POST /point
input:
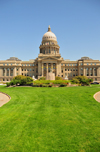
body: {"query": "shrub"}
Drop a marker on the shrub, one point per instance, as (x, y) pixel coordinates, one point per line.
(42, 78)
(50, 85)
(8, 84)
(19, 77)
(58, 78)
(45, 85)
(22, 80)
(75, 81)
(13, 82)
(90, 80)
(62, 85)
(81, 79)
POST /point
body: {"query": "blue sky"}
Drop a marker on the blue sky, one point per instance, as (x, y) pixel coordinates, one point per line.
(76, 23)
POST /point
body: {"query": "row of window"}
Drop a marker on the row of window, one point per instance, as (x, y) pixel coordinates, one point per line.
(80, 64)
(70, 75)
(89, 63)
(27, 64)
(89, 68)
(27, 69)
(70, 69)
(18, 64)
(69, 64)
(30, 74)
(48, 64)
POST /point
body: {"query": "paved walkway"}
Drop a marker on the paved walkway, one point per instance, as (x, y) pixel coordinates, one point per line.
(97, 96)
(3, 99)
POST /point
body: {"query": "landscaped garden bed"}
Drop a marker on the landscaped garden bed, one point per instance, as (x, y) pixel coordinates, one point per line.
(28, 81)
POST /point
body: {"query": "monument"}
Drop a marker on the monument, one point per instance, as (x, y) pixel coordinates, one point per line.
(50, 75)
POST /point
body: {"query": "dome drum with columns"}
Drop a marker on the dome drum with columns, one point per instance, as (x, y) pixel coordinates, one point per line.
(49, 43)
(49, 59)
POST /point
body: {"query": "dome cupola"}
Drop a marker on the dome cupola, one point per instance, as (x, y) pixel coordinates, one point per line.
(49, 36)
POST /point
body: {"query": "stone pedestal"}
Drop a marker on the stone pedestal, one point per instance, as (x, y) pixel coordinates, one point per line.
(50, 76)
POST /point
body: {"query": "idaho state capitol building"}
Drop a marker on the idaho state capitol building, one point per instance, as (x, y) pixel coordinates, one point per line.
(49, 59)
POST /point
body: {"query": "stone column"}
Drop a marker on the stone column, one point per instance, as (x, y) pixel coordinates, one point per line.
(89, 72)
(1, 72)
(93, 71)
(52, 66)
(47, 69)
(14, 71)
(42, 69)
(9, 71)
(84, 71)
(5, 72)
(98, 71)
(19, 70)
(56, 70)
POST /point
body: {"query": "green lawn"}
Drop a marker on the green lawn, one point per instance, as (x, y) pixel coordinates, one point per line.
(50, 120)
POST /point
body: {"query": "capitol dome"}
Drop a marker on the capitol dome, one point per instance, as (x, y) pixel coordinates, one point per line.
(49, 35)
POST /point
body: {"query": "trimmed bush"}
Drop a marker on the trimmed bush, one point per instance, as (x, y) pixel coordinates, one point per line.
(83, 80)
(58, 78)
(75, 81)
(42, 78)
(8, 84)
(21, 80)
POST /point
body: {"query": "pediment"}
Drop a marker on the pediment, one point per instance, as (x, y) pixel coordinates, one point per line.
(49, 58)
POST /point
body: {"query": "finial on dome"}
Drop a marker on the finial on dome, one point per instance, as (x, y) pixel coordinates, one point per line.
(49, 28)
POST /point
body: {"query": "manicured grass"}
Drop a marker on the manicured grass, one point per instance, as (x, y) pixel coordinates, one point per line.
(50, 120)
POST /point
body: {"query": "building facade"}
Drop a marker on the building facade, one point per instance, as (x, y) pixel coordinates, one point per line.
(48, 59)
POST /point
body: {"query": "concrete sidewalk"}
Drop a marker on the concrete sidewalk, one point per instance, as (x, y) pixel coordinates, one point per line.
(97, 96)
(3, 99)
